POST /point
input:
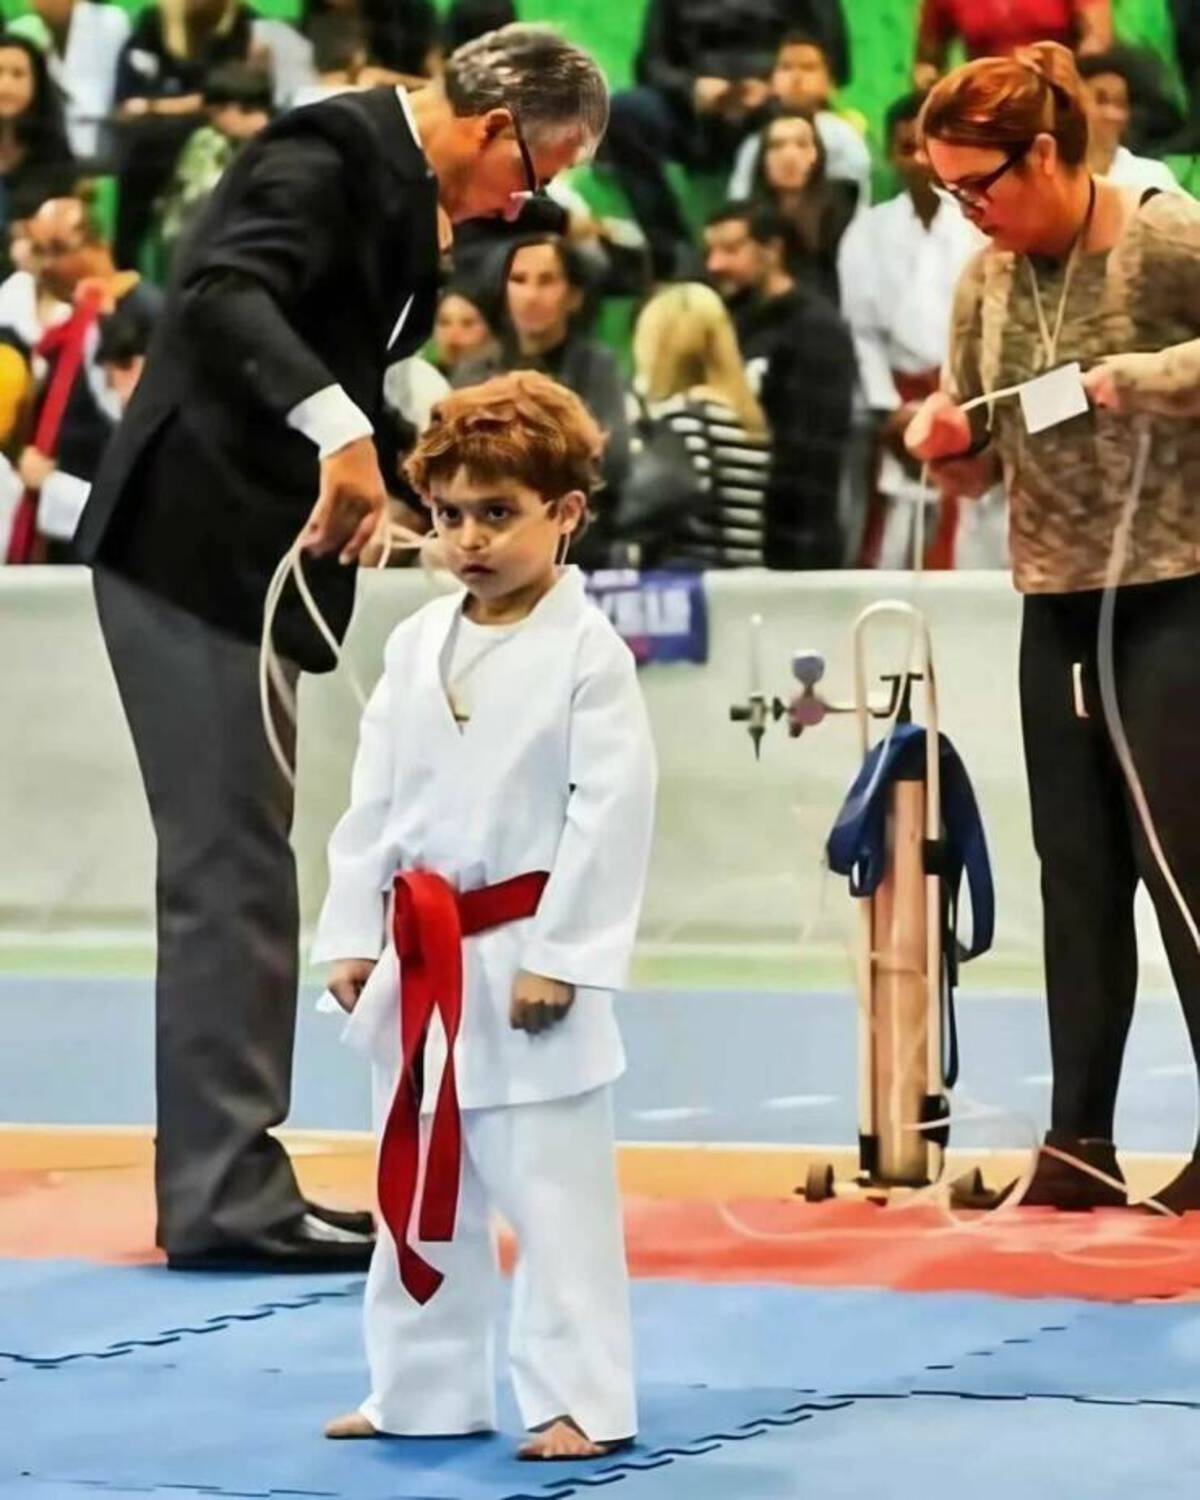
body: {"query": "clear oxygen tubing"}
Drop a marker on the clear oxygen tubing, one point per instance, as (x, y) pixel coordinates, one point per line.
(270, 673)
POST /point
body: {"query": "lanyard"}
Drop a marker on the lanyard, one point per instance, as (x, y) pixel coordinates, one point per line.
(1050, 341)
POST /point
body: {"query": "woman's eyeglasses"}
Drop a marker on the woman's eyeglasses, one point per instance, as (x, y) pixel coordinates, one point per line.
(972, 192)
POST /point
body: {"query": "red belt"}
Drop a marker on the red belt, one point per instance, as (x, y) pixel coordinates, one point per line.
(429, 921)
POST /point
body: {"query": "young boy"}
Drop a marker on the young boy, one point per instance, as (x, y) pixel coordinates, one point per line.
(802, 80)
(503, 796)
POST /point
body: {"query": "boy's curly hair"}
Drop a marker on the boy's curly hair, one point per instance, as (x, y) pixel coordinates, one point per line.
(521, 426)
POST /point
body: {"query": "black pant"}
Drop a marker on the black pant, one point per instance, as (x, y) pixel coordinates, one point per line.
(645, 132)
(1089, 839)
(228, 919)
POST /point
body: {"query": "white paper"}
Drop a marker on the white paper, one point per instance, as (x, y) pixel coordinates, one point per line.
(1052, 398)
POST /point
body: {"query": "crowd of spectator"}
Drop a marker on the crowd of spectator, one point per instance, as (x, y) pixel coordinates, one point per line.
(767, 326)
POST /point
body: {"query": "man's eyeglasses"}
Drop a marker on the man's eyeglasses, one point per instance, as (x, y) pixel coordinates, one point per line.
(533, 186)
(972, 192)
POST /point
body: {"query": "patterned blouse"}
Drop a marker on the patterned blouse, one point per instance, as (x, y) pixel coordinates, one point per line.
(1136, 306)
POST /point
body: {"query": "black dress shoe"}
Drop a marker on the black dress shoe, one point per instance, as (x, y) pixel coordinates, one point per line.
(357, 1220)
(1182, 1194)
(1060, 1184)
(307, 1244)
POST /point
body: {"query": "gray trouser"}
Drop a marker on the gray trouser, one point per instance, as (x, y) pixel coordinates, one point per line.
(228, 920)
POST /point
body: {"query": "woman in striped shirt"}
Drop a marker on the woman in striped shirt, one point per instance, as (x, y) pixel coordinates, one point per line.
(692, 377)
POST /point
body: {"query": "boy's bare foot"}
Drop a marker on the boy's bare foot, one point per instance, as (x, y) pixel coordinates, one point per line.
(561, 1439)
(352, 1425)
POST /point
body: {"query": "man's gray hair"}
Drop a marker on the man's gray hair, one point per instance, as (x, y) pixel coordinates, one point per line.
(554, 87)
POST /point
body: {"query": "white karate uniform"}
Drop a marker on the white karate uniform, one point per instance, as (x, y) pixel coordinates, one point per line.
(553, 770)
(898, 279)
(1142, 172)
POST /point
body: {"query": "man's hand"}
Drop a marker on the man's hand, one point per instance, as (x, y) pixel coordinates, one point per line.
(708, 94)
(939, 430)
(347, 978)
(351, 501)
(35, 468)
(538, 1003)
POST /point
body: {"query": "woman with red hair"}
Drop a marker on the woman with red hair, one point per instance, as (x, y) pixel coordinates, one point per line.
(1083, 274)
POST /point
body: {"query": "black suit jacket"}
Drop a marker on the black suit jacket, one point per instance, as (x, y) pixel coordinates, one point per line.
(294, 279)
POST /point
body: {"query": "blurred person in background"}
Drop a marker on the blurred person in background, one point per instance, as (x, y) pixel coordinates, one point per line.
(402, 37)
(692, 380)
(899, 264)
(464, 20)
(339, 57)
(802, 83)
(160, 98)
(237, 100)
(82, 41)
(462, 330)
(542, 327)
(73, 412)
(35, 158)
(790, 177)
(28, 308)
(800, 363)
(991, 28)
(701, 73)
(1110, 82)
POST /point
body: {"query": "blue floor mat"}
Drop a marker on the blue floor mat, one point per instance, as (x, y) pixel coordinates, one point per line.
(943, 1448)
(830, 1343)
(56, 1309)
(1114, 1354)
(746, 1393)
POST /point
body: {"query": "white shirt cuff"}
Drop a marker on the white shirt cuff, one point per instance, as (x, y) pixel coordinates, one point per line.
(61, 505)
(330, 420)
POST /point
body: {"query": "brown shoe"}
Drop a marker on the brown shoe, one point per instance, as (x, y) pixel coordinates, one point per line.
(1060, 1184)
(1182, 1194)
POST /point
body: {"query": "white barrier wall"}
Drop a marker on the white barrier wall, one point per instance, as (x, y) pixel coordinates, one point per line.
(738, 845)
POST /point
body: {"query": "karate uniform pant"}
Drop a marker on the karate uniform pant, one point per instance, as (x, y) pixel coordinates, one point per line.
(550, 1170)
(1089, 839)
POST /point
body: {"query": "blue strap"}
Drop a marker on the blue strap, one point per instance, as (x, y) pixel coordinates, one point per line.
(857, 848)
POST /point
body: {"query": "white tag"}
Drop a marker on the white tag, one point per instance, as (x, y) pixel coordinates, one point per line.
(1052, 398)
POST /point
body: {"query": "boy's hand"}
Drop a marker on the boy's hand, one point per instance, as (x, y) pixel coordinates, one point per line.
(347, 977)
(538, 1003)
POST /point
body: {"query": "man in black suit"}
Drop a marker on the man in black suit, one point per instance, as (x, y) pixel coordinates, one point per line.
(311, 271)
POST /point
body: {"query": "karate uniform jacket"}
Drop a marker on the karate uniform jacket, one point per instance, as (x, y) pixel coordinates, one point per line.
(555, 771)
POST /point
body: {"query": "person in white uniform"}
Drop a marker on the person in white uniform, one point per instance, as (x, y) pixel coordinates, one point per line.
(485, 884)
(898, 265)
(1108, 86)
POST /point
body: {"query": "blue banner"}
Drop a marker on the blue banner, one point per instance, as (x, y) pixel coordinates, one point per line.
(661, 616)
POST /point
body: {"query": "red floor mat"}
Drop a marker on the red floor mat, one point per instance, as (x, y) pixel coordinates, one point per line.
(107, 1214)
(1108, 1256)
